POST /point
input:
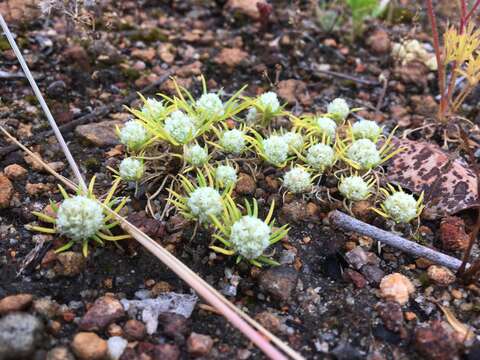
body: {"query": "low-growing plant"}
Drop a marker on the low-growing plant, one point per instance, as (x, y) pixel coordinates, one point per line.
(82, 219)
(399, 206)
(246, 236)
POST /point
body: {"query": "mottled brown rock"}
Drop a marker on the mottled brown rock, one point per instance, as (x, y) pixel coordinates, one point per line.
(434, 341)
(15, 172)
(134, 330)
(379, 42)
(392, 315)
(6, 191)
(293, 91)
(231, 57)
(440, 275)
(355, 277)
(161, 351)
(199, 345)
(452, 234)
(245, 185)
(269, 321)
(396, 287)
(60, 353)
(15, 303)
(103, 312)
(174, 325)
(245, 7)
(89, 346)
(69, 263)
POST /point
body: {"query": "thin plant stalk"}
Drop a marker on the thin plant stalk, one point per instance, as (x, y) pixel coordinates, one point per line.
(235, 316)
(43, 104)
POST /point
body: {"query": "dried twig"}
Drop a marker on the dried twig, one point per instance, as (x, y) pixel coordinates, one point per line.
(345, 77)
(348, 223)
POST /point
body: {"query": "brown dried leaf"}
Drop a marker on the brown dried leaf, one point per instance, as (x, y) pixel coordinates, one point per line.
(448, 182)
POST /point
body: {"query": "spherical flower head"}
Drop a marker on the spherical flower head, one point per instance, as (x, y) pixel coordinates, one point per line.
(320, 156)
(226, 175)
(366, 129)
(294, 140)
(233, 141)
(133, 134)
(326, 126)
(196, 155)
(250, 237)
(79, 217)
(338, 108)
(401, 207)
(354, 188)
(131, 169)
(203, 202)
(153, 109)
(251, 117)
(364, 152)
(297, 180)
(210, 104)
(179, 126)
(269, 102)
(275, 149)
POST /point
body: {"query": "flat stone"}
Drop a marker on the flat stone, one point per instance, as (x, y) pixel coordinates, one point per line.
(6, 191)
(357, 257)
(69, 263)
(15, 172)
(15, 303)
(279, 282)
(99, 134)
(440, 275)
(103, 312)
(89, 346)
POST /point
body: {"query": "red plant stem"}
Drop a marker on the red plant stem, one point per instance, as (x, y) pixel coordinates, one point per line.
(441, 69)
(463, 15)
(472, 10)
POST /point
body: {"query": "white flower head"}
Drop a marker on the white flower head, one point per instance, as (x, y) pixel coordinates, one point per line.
(294, 140)
(269, 102)
(131, 169)
(133, 134)
(233, 141)
(179, 126)
(365, 153)
(79, 217)
(297, 180)
(210, 104)
(275, 149)
(195, 155)
(366, 129)
(251, 117)
(320, 156)
(203, 202)
(226, 175)
(354, 188)
(401, 207)
(153, 109)
(339, 109)
(326, 126)
(250, 237)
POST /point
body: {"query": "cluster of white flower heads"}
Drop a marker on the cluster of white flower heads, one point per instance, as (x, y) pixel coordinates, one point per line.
(179, 126)
(275, 149)
(131, 169)
(354, 188)
(365, 153)
(226, 175)
(250, 237)
(153, 109)
(297, 180)
(196, 155)
(294, 140)
(79, 217)
(133, 134)
(320, 156)
(400, 207)
(211, 104)
(233, 141)
(203, 202)
(366, 129)
(339, 109)
(326, 126)
(269, 102)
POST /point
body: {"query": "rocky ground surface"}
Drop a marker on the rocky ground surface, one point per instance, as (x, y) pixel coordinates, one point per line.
(336, 295)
